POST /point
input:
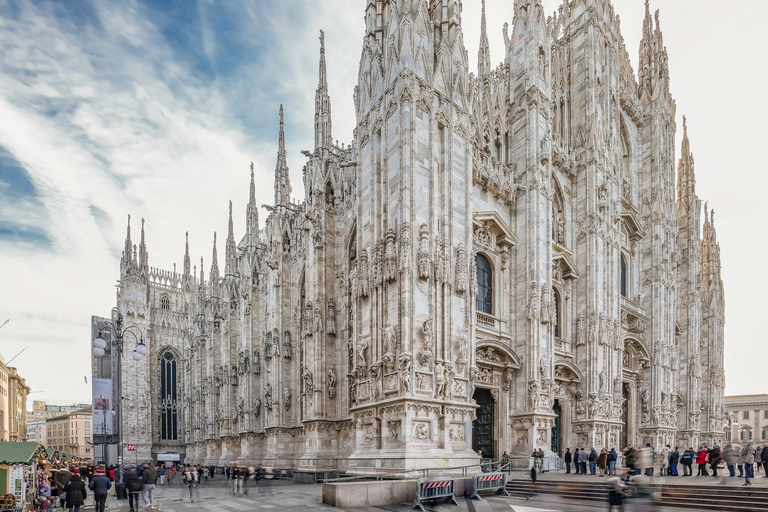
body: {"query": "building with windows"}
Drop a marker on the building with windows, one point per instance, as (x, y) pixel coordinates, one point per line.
(71, 433)
(13, 402)
(36, 431)
(747, 418)
(498, 261)
(41, 409)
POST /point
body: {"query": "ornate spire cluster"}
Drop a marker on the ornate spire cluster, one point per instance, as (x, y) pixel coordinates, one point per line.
(654, 63)
(323, 137)
(484, 52)
(686, 179)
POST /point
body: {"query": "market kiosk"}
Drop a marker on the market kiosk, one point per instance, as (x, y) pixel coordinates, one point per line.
(19, 463)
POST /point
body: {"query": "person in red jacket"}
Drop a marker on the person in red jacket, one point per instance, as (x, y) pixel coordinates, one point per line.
(702, 457)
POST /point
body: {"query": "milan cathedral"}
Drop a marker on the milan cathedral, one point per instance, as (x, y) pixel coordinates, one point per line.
(498, 261)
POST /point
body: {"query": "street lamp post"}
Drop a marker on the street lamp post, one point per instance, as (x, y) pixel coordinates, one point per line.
(99, 344)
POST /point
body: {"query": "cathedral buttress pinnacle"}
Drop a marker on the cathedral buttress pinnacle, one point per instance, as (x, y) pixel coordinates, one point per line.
(252, 215)
(128, 245)
(323, 137)
(187, 270)
(143, 255)
(214, 269)
(282, 180)
(484, 52)
(231, 249)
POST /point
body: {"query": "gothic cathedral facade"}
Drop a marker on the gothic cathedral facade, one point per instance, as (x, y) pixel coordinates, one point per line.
(498, 261)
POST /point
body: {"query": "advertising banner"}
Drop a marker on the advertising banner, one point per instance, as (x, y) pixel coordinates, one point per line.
(102, 406)
(16, 485)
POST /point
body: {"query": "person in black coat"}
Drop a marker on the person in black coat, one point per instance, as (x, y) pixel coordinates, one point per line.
(100, 484)
(135, 485)
(674, 459)
(76, 493)
(568, 457)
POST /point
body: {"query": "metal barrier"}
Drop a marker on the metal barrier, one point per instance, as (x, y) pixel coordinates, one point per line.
(432, 489)
(487, 482)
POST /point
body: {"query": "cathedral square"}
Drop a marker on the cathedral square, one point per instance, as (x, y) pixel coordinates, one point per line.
(500, 260)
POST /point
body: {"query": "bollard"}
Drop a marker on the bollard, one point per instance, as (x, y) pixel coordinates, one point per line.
(433, 488)
(488, 482)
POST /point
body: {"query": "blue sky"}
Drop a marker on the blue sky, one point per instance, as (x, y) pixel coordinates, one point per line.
(156, 109)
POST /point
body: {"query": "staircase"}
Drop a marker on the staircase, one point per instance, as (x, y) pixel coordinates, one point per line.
(728, 498)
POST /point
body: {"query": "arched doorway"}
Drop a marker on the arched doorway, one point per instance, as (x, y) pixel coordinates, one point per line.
(482, 427)
(557, 433)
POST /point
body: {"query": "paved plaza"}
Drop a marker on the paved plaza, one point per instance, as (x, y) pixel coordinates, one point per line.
(292, 497)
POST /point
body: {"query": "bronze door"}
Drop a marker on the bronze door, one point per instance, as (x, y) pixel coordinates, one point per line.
(482, 427)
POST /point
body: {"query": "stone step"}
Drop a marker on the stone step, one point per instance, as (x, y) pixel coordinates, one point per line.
(724, 498)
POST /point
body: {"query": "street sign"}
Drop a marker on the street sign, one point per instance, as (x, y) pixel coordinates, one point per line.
(130, 447)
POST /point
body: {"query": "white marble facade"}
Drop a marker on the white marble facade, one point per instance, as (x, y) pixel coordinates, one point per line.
(512, 234)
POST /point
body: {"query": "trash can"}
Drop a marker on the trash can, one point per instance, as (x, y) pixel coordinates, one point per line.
(120, 491)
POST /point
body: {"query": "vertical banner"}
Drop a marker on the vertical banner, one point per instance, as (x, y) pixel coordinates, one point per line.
(102, 406)
(16, 485)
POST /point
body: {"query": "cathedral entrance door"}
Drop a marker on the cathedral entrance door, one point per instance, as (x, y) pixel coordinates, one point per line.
(482, 427)
(557, 441)
(625, 392)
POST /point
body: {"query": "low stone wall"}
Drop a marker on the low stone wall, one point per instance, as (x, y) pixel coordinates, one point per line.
(386, 492)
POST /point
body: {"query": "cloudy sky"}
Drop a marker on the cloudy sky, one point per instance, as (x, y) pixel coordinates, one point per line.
(156, 108)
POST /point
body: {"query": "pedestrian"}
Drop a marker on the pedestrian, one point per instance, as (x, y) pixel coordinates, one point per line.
(602, 462)
(687, 461)
(134, 486)
(533, 474)
(749, 463)
(60, 479)
(630, 458)
(76, 493)
(616, 494)
(269, 475)
(149, 479)
(100, 485)
(702, 457)
(576, 461)
(161, 474)
(665, 460)
(764, 460)
(237, 482)
(758, 458)
(674, 460)
(192, 479)
(645, 459)
(612, 457)
(714, 459)
(583, 459)
(731, 458)
(568, 457)
(592, 462)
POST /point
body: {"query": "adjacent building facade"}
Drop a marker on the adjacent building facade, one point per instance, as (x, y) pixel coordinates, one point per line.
(747, 419)
(41, 409)
(13, 404)
(71, 433)
(36, 431)
(498, 261)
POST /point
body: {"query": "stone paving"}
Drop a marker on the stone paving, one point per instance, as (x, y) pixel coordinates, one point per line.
(291, 497)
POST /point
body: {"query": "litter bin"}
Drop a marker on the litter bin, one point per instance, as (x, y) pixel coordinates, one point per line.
(120, 492)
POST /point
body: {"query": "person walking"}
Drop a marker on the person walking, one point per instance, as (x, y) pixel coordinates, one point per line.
(583, 459)
(76, 493)
(60, 479)
(100, 486)
(702, 457)
(758, 458)
(237, 481)
(576, 461)
(161, 474)
(616, 494)
(664, 470)
(612, 458)
(714, 459)
(645, 459)
(686, 459)
(674, 460)
(568, 457)
(602, 461)
(731, 458)
(149, 479)
(134, 486)
(764, 460)
(192, 480)
(592, 462)
(630, 458)
(749, 463)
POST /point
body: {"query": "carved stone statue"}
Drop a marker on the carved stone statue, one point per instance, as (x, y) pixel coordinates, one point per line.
(405, 372)
(331, 383)
(544, 367)
(426, 351)
(256, 408)
(268, 396)
(287, 398)
(309, 386)
(439, 380)
(318, 317)
(423, 252)
(390, 256)
(331, 317)
(462, 270)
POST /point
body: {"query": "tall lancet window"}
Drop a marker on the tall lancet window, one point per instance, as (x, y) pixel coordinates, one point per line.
(484, 285)
(623, 276)
(168, 408)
